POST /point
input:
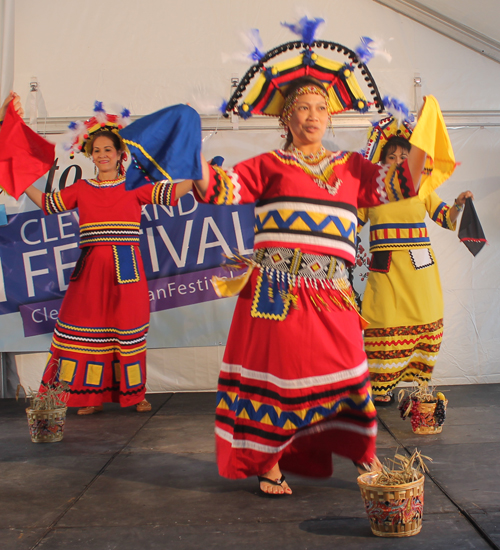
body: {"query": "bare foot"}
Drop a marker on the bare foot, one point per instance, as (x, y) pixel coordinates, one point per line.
(279, 487)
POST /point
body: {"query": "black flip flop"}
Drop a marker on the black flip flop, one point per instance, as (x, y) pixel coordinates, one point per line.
(384, 403)
(279, 482)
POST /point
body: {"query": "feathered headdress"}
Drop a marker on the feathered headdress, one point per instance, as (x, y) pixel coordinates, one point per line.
(398, 123)
(267, 95)
(81, 134)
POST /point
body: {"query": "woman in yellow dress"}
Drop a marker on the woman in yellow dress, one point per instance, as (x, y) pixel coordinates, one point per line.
(403, 300)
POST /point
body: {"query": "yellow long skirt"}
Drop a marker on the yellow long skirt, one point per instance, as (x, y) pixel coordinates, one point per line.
(405, 310)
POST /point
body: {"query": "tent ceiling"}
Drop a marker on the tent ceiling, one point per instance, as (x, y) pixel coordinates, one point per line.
(472, 24)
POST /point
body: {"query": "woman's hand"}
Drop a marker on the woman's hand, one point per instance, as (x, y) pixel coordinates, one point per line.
(460, 200)
(17, 105)
(459, 204)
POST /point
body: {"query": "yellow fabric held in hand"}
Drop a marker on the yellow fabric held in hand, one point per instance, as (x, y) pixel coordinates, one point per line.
(430, 135)
(225, 287)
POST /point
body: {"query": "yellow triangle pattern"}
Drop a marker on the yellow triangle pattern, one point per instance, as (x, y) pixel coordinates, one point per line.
(243, 414)
(267, 420)
(317, 418)
(289, 425)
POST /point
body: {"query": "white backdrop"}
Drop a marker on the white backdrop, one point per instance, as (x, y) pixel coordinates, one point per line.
(166, 52)
(159, 52)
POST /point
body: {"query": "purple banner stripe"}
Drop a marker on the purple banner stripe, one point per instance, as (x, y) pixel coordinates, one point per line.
(165, 293)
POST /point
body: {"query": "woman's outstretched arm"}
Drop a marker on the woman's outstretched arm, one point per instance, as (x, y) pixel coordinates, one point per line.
(35, 195)
(416, 161)
(182, 188)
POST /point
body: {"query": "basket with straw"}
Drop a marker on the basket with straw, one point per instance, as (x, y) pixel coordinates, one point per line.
(425, 407)
(46, 413)
(394, 496)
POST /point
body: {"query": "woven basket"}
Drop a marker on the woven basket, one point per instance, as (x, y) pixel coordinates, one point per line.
(393, 510)
(46, 426)
(428, 422)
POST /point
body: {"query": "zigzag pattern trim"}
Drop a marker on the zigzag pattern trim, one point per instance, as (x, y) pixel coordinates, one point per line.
(404, 187)
(109, 232)
(114, 330)
(163, 193)
(98, 350)
(328, 393)
(88, 340)
(338, 158)
(303, 222)
(227, 187)
(404, 342)
(381, 389)
(53, 203)
(286, 420)
(429, 359)
(113, 388)
(108, 183)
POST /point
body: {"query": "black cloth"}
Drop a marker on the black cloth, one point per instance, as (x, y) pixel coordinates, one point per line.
(470, 231)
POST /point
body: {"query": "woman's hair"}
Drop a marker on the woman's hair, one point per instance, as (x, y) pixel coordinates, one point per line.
(110, 135)
(392, 144)
(292, 89)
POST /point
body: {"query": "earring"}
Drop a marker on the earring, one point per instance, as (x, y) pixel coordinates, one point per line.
(330, 127)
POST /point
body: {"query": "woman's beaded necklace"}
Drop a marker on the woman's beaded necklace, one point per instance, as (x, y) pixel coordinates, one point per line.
(318, 166)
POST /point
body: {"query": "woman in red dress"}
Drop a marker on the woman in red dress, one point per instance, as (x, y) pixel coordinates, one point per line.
(99, 342)
(294, 384)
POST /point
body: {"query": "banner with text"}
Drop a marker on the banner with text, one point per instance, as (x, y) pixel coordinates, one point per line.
(182, 248)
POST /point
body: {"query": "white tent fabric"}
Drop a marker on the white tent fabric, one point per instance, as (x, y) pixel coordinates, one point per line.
(166, 53)
(7, 33)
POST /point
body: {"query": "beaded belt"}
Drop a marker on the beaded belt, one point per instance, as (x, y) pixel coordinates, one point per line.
(109, 233)
(294, 262)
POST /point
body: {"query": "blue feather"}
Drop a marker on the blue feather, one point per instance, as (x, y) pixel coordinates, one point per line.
(223, 107)
(364, 51)
(258, 53)
(125, 113)
(98, 106)
(398, 108)
(72, 125)
(306, 28)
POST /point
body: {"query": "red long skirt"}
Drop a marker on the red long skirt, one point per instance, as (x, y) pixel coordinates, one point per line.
(294, 391)
(99, 342)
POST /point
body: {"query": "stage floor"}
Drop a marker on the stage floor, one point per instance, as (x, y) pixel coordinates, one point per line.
(145, 481)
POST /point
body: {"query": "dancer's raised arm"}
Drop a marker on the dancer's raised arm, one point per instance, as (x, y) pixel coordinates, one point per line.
(35, 195)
